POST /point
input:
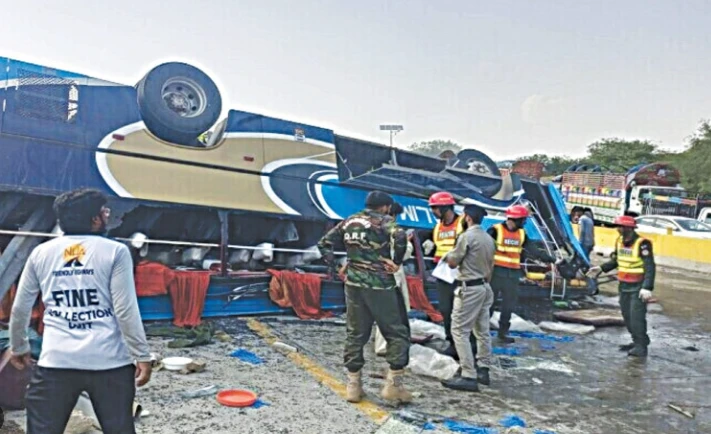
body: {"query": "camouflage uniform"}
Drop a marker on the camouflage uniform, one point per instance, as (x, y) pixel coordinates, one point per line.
(371, 292)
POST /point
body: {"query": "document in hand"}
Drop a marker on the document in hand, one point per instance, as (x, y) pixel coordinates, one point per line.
(443, 272)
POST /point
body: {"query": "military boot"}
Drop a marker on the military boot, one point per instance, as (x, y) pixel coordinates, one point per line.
(502, 338)
(354, 388)
(627, 347)
(482, 376)
(394, 389)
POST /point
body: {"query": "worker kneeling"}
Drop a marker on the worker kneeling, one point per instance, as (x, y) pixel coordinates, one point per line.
(372, 293)
(473, 253)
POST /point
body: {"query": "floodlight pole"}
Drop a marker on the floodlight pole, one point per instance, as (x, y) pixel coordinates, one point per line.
(393, 129)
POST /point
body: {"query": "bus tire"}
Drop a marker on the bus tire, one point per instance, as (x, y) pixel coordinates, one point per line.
(178, 102)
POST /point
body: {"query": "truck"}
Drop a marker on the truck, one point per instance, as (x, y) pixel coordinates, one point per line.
(241, 197)
(644, 189)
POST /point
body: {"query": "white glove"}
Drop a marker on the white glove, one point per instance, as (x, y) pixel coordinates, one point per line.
(594, 271)
(428, 246)
(645, 294)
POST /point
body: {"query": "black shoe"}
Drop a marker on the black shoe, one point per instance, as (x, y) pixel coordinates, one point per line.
(627, 347)
(482, 376)
(461, 383)
(638, 351)
(451, 351)
(506, 339)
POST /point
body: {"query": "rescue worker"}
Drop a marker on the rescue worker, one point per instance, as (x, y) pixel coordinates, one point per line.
(400, 280)
(449, 226)
(371, 292)
(473, 298)
(512, 247)
(636, 271)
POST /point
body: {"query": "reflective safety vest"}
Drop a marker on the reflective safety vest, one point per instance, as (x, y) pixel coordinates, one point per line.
(445, 236)
(509, 245)
(630, 267)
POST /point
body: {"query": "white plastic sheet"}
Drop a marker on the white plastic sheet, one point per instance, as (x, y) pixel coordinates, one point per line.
(422, 328)
(518, 324)
(578, 329)
(428, 362)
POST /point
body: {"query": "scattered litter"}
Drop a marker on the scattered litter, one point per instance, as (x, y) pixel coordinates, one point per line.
(507, 351)
(194, 366)
(547, 347)
(468, 428)
(506, 363)
(176, 363)
(419, 327)
(543, 431)
(237, 398)
(282, 346)
(518, 324)
(596, 317)
(515, 430)
(396, 426)
(222, 336)
(532, 363)
(681, 410)
(578, 329)
(428, 426)
(539, 336)
(536, 380)
(184, 337)
(198, 393)
(259, 403)
(247, 356)
(512, 420)
(561, 304)
(690, 348)
(428, 362)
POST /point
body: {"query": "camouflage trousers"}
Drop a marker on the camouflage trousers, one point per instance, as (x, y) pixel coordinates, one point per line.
(386, 308)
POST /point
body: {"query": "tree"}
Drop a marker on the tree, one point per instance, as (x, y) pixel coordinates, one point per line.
(695, 162)
(619, 153)
(434, 147)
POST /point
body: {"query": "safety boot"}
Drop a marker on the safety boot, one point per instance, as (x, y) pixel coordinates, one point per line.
(394, 389)
(354, 388)
(627, 347)
(638, 351)
(502, 338)
(482, 376)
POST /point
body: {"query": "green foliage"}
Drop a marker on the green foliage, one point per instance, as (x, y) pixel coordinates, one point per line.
(695, 162)
(434, 147)
(617, 153)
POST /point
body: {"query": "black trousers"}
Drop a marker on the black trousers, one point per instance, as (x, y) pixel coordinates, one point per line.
(446, 304)
(53, 393)
(505, 282)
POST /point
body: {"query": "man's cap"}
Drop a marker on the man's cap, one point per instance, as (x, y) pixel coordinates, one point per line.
(378, 198)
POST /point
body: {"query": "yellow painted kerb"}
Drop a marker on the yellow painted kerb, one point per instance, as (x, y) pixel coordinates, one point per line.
(370, 409)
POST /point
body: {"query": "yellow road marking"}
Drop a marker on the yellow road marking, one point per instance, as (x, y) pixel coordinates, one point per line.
(370, 409)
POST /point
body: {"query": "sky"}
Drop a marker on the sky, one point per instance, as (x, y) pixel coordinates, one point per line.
(509, 78)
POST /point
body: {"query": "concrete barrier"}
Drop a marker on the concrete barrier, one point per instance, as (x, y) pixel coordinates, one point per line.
(669, 250)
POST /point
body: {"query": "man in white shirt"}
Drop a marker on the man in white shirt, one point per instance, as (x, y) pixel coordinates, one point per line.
(92, 326)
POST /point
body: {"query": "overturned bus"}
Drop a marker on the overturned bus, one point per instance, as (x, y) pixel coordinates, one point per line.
(222, 215)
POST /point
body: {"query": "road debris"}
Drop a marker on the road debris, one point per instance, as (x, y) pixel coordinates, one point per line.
(247, 356)
(681, 410)
(555, 326)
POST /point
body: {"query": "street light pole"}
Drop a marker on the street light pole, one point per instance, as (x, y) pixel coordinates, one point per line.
(393, 129)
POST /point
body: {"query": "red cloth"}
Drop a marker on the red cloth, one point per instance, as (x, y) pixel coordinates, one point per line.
(37, 310)
(188, 291)
(297, 290)
(419, 300)
(152, 278)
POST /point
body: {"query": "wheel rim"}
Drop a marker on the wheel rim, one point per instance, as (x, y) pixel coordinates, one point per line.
(184, 97)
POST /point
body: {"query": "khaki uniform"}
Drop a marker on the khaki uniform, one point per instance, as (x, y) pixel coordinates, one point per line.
(474, 254)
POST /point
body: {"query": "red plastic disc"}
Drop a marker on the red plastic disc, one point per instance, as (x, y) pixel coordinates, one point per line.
(236, 398)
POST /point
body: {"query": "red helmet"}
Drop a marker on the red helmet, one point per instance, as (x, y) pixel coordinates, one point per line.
(517, 212)
(442, 198)
(626, 221)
